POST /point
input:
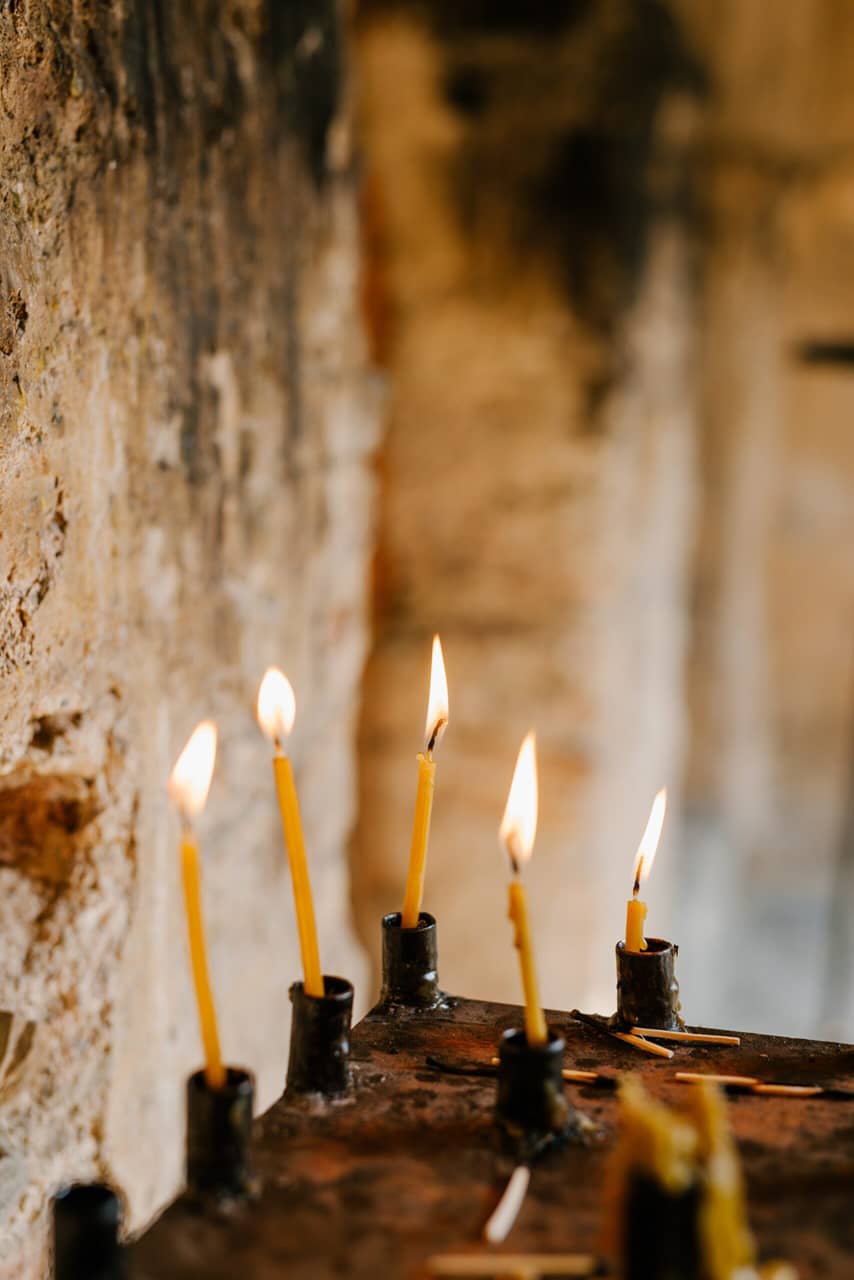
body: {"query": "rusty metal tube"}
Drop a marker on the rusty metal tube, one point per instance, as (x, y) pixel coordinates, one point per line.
(319, 1058)
(647, 990)
(410, 964)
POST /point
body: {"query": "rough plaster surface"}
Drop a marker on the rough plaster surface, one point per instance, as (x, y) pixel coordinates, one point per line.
(537, 479)
(185, 486)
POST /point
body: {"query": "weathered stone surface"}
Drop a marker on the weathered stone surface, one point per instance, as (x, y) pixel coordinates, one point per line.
(185, 438)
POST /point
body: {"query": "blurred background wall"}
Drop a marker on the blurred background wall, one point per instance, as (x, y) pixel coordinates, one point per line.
(609, 275)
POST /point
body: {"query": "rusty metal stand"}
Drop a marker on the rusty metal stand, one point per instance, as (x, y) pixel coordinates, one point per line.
(409, 1163)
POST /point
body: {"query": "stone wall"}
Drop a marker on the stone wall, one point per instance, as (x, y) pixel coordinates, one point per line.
(186, 489)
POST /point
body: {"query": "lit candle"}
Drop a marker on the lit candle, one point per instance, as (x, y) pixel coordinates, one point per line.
(276, 714)
(635, 909)
(517, 831)
(436, 724)
(189, 784)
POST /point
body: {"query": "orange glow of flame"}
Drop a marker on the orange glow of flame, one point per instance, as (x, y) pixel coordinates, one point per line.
(519, 824)
(190, 780)
(437, 703)
(277, 706)
(645, 855)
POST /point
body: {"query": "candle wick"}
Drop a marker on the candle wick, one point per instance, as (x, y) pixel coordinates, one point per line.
(515, 864)
(433, 741)
(638, 873)
(277, 745)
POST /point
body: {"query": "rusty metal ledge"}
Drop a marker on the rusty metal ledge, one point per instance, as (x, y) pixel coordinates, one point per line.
(408, 1164)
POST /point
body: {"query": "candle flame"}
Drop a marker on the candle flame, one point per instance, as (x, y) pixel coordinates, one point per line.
(190, 780)
(437, 703)
(519, 824)
(645, 855)
(277, 706)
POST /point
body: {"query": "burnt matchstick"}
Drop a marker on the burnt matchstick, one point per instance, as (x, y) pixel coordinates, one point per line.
(627, 1037)
(571, 1074)
(501, 1220)
(575, 1076)
(752, 1084)
(461, 1068)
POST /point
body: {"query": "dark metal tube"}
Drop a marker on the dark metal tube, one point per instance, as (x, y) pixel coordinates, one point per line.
(530, 1107)
(319, 1058)
(410, 964)
(86, 1222)
(219, 1135)
(647, 990)
(660, 1232)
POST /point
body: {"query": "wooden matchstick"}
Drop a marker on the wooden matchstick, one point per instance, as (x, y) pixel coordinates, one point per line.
(658, 1050)
(528, 1265)
(687, 1037)
(750, 1084)
(691, 1077)
(793, 1090)
(501, 1220)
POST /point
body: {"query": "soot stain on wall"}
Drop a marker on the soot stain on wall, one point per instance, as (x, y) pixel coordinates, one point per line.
(561, 158)
(587, 203)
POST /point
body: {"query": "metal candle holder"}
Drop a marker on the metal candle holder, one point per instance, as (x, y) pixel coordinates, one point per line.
(410, 964)
(530, 1107)
(647, 990)
(660, 1232)
(86, 1222)
(319, 1058)
(219, 1135)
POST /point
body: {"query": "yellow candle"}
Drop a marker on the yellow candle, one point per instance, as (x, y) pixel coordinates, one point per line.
(517, 831)
(536, 1031)
(189, 784)
(276, 715)
(635, 917)
(635, 909)
(214, 1070)
(728, 1245)
(420, 837)
(292, 827)
(437, 721)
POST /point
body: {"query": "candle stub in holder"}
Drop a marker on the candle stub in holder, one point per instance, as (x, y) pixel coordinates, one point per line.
(647, 990)
(644, 858)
